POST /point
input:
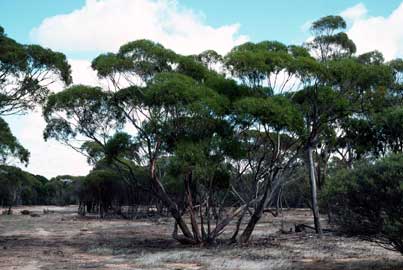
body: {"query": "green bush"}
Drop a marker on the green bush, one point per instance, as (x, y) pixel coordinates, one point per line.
(367, 201)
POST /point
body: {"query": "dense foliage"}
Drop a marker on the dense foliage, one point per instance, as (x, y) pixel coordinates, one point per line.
(21, 187)
(368, 201)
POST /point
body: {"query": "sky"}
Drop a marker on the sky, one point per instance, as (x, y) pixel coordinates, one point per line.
(82, 29)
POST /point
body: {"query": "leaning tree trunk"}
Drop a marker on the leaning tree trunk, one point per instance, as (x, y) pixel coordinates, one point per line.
(247, 233)
(257, 214)
(171, 205)
(314, 199)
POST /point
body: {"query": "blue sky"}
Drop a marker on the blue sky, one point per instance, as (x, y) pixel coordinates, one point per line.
(259, 19)
(82, 29)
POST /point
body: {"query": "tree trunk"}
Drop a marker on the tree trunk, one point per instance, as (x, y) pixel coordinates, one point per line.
(247, 233)
(238, 226)
(171, 205)
(257, 214)
(312, 180)
(195, 228)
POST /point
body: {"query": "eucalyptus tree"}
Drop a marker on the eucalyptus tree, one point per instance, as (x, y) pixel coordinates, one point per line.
(161, 97)
(268, 129)
(26, 72)
(341, 87)
(322, 106)
(266, 122)
(329, 40)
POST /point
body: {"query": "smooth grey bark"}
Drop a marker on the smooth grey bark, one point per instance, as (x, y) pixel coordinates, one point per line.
(314, 196)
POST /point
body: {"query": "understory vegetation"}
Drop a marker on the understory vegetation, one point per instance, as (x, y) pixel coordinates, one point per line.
(213, 140)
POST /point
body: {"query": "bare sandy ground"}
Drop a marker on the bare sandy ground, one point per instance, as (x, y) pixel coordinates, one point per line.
(63, 240)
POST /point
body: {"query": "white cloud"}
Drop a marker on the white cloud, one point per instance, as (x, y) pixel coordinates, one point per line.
(105, 25)
(377, 33)
(354, 13)
(82, 72)
(47, 158)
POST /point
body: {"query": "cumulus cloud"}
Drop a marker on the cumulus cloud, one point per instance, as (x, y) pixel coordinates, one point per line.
(384, 34)
(354, 13)
(105, 25)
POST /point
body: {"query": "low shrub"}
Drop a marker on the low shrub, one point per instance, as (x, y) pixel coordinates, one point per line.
(367, 201)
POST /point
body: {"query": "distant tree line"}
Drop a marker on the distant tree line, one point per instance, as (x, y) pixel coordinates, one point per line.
(22, 188)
